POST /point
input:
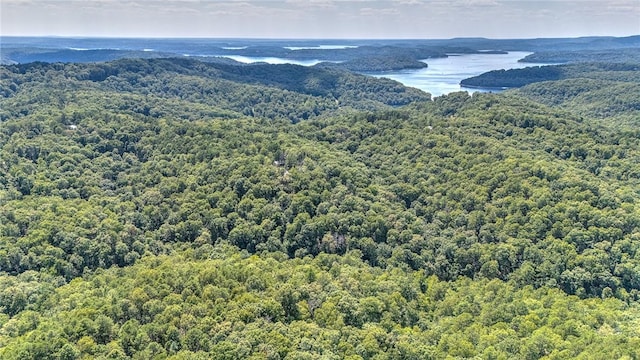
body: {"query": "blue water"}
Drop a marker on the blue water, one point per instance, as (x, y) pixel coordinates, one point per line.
(321, 47)
(271, 60)
(443, 75)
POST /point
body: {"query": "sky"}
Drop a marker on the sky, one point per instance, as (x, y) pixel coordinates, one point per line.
(336, 19)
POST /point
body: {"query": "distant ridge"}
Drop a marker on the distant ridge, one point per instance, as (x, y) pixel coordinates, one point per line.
(66, 49)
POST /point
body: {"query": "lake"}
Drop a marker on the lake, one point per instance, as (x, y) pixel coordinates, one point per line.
(441, 77)
(444, 75)
(271, 60)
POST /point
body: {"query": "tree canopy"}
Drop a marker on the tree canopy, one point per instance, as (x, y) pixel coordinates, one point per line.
(170, 208)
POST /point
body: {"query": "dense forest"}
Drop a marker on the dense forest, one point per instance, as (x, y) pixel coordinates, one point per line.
(502, 79)
(171, 208)
(377, 63)
(624, 55)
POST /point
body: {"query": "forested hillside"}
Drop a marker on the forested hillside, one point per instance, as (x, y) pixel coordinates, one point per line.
(620, 55)
(502, 79)
(170, 208)
(377, 63)
(602, 99)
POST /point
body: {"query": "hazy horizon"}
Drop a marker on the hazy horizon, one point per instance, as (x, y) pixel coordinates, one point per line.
(246, 38)
(320, 19)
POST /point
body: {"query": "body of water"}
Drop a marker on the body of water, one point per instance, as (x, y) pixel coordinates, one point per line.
(271, 60)
(321, 47)
(444, 75)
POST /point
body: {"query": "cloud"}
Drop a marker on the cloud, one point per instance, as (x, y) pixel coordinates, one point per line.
(321, 18)
(368, 11)
(481, 3)
(313, 3)
(624, 6)
(17, 2)
(408, 2)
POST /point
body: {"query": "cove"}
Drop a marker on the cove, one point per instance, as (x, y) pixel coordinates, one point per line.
(443, 75)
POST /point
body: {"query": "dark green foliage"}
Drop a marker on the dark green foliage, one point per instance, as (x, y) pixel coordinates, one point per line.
(501, 79)
(378, 63)
(188, 89)
(623, 55)
(593, 98)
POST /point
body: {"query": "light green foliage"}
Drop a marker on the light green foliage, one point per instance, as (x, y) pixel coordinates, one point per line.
(171, 209)
(167, 305)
